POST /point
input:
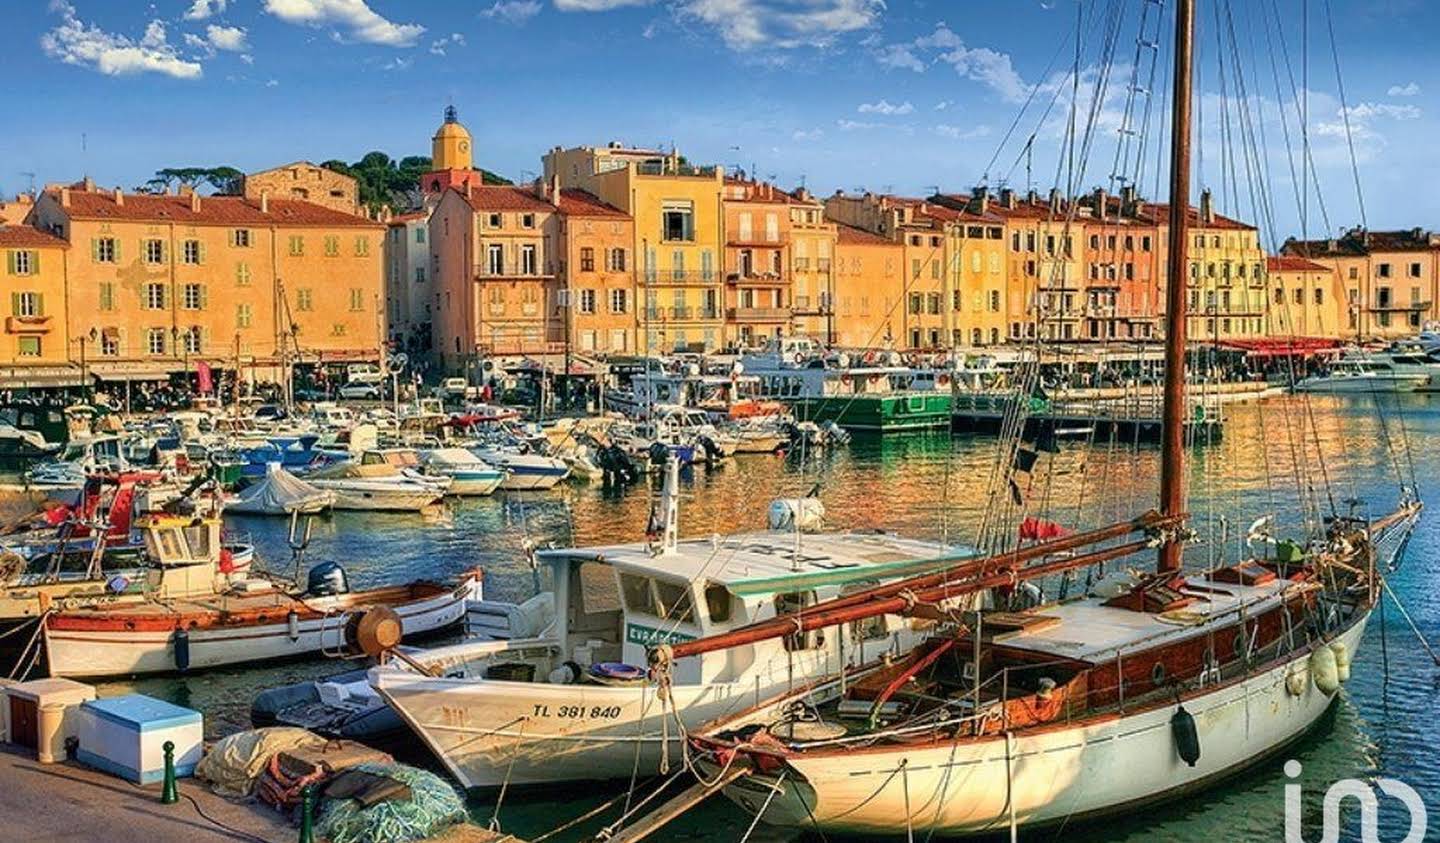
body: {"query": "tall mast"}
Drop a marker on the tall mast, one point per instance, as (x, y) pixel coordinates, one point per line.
(1172, 448)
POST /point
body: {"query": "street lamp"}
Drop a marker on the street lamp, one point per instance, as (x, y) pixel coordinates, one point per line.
(84, 368)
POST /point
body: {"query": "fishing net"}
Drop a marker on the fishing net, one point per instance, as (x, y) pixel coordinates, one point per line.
(433, 806)
(234, 763)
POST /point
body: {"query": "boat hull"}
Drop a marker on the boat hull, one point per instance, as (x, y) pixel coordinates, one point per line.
(76, 652)
(475, 483)
(1054, 775)
(379, 498)
(878, 413)
(1361, 385)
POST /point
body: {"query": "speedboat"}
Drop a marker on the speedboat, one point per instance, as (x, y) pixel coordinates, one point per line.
(1365, 374)
(469, 475)
(376, 487)
(523, 471)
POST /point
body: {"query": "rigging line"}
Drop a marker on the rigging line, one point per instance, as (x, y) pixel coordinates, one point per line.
(1019, 115)
(1345, 113)
(1121, 165)
(1280, 105)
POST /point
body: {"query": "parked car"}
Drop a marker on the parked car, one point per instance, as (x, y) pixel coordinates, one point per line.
(456, 389)
(363, 389)
(270, 413)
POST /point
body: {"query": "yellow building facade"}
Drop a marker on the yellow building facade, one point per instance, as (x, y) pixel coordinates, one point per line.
(1306, 299)
(869, 292)
(36, 333)
(759, 269)
(679, 231)
(1225, 283)
(306, 182)
(597, 273)
(166, 280)
(1391, 279)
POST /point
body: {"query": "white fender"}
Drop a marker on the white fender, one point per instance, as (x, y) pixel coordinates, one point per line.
(1297, 681)
(1324, 671)
(1342, 660)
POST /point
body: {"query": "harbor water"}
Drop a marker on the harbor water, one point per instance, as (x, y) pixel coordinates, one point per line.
(937, 486)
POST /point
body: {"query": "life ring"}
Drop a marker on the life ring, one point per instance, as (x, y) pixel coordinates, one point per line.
(943, 380)
(913, 359)
(869, 358)
(799, 358)
(874, 379)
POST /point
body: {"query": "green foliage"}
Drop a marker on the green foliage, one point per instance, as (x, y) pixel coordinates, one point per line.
(385, 181)
(222, 180)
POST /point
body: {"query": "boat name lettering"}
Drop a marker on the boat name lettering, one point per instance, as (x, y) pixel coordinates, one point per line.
(579, 712)
(646, 635)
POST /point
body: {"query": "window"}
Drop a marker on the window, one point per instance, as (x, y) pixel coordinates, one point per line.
(587, 301)
(619, 301)
(420, 235)
(154, 296)
(587, 259)
(155, 340)
(107, 296)
(677, 221)
(194, 297)
(27, 346)
(109, 343)
(154, 251)
(527, 220)
(338, 329)
(933, 302)
(357, 299)
(616, 260)
(332, 246)
(27, 304)
(419, 275)
(1414, 270)
(718, 604)
(1319, 295)
(240, 238)
(994, 301)
(362, 246)
(297, 245)
(495, 221)
(190, 339)
(527, 259)
(242, 274)
(917, 303)
(1354, 273)
(191, 252)
(1383, 270)
(304, 301)
(244, 316)
(495, 259)
(105, 250)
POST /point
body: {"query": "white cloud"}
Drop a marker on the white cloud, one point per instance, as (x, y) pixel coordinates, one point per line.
(944, 104)
(354, 19)
(981, 64)
(806, 135)
(202, 9)
(748, 24)
(596, 5)
(1410, 90)
(855, 125)
(272, 83)
(960, 132)
(886, 107)
(513, 11)
(1366, 111)
(228, 38)
(75, 42)
(439, 47)
(247, 58)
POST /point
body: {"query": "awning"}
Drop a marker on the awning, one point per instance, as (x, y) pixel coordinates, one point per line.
(40, 377)
(152, 370)
(1284, 347)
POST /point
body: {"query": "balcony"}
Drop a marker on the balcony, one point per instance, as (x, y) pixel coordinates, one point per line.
(765, 279)
(1397, 307)
(27, 325)
(679, 276)
(758, 314)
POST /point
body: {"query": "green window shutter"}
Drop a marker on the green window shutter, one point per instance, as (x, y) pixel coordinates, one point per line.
(39, 304)
(231, 235)
(35, 262)
(14, 304)
(10, 262)
(204, 296)
(117, 249)
(95, 249)
(201, 244)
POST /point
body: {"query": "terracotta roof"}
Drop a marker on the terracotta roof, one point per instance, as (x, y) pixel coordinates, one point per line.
(582, 203)
(29, 237)
(492, 197)
(852, 236)
(1290, 263)
(214, 210)
(414, 216)
(1341, 248)
(1160, 213)
(1358, 243)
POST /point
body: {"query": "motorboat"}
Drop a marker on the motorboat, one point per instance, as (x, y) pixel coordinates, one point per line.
(523, 471)
(1366, 374)
(469, 475)
(573, 702)
(376, 487)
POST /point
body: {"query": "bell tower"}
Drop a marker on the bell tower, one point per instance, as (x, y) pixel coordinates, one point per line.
(452, 159)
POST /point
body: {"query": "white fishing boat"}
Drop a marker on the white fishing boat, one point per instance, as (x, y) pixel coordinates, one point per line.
(191, 614)
(575, 704)
(469, 475)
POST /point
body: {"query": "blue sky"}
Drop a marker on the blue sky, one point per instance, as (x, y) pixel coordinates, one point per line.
(900, 95)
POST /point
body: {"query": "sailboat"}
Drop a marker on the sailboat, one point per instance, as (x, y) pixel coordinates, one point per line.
(1143, 688)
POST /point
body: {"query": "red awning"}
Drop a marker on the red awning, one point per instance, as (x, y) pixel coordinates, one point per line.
(1284, 347)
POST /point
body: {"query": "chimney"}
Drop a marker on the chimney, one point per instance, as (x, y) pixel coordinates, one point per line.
(89, 184)
(1054, 198)
(64, 197)
(119, 197)
(194, 202)
(979, 200)
(1207, 207)
(467, 189)
(264, 201)
(1032, 197)
(1100, 199)
(1007, 198)
(555, 189)
(1417, 234)
(1127, 200)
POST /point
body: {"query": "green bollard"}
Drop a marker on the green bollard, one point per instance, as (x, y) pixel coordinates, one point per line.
(307, 814)
(169, 792)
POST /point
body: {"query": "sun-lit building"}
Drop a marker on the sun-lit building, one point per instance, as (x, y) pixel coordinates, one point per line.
(1391, 278)
(36, 336)
(1306, 299)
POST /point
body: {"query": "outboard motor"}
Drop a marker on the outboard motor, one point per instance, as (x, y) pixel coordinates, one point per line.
(326, 579)
(711, 449)
(659, 453)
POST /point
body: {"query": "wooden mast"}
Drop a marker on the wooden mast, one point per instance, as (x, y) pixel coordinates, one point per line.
(1172, 448)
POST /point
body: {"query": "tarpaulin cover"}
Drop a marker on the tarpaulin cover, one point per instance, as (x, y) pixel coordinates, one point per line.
(279, 493)
(234, 763)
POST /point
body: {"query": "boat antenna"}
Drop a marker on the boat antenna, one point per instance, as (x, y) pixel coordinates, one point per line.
(1172, 449)
(298, 545)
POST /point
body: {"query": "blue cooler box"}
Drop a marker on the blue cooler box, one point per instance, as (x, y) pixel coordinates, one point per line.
(125, 736)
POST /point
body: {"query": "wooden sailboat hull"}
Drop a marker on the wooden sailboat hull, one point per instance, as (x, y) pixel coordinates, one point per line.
(93, 644)
(1090, 768)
